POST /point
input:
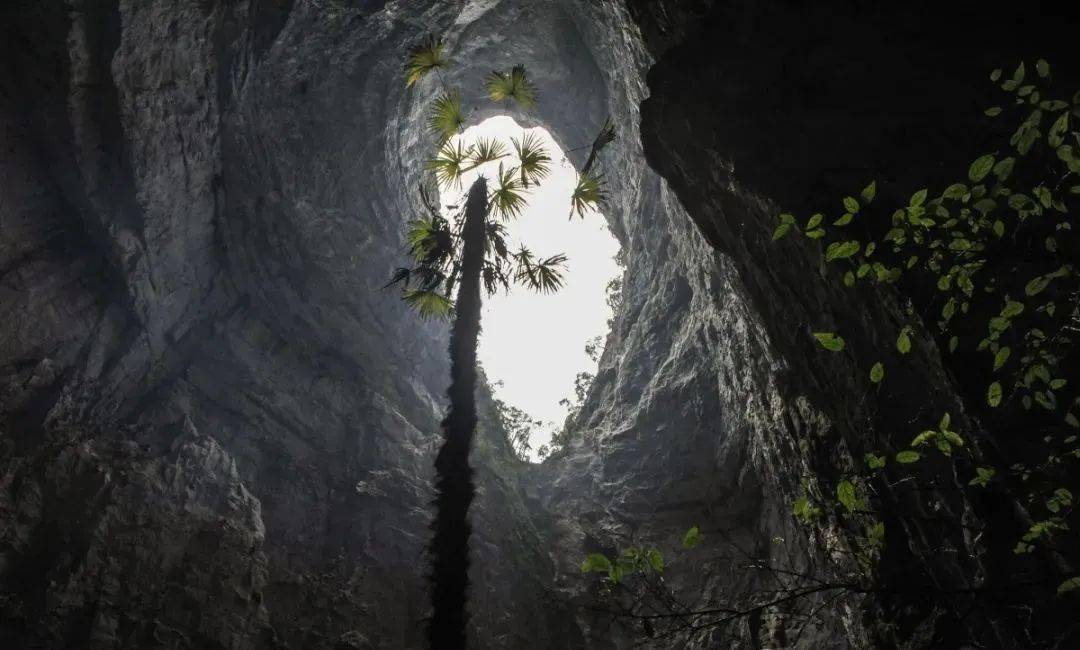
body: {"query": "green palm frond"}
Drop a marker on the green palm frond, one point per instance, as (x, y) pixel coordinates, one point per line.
(430, 304)
(544, 276)
(603, 138)
(487, 150)
(423, 59)
(511, 85)
(446, 116)
(430, 240)
(494, 276)
(400, 275)
(452, 161)
(589, 193)
(496, 240)
(507, 199)
(533, 162)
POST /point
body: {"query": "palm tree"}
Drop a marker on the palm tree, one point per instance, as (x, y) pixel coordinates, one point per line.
(469, 252)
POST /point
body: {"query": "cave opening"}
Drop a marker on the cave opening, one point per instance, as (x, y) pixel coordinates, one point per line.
(540, 351)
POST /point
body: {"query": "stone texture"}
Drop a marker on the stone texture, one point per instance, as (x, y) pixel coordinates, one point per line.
(218, 428)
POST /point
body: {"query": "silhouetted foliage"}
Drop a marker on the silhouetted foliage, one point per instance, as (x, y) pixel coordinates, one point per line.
(468, 251)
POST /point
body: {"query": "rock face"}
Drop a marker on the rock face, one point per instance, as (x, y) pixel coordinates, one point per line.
(217, 427)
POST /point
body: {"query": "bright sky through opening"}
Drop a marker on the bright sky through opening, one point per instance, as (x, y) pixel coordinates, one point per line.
(535, 343)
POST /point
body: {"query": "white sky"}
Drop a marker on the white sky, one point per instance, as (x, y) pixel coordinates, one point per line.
(535, 343)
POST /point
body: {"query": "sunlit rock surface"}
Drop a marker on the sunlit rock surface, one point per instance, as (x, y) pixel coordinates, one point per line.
(217, 426)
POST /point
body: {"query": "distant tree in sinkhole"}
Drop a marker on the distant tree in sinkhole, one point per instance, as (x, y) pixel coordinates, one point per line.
(468, 251)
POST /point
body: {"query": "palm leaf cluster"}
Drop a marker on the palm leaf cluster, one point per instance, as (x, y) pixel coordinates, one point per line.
(534, 163)
(453, 159)
(423, 59)
(511, 85)
(436, 242)
(589, 192)
(435, 245)
(446, 117)
(508, 198)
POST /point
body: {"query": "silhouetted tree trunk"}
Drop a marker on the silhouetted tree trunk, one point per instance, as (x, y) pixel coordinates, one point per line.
(453, 475)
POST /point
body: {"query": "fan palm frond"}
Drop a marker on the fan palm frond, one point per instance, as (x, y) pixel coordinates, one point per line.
(428, 277)
(446, 117)
(589, 193)
(486, 150)
(430, 304)
(423, 59)
(496, 240)
(507, 199)
(544, 276)
(533, 162)
(603, 138)
(400, 275)
(452, 161)
(494, 276)
(430, 240)
(511, 85)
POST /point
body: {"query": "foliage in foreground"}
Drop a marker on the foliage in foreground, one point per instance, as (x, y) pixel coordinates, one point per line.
(989, 261)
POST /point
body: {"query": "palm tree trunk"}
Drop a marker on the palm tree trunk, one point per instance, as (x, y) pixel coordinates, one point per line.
(453, 475)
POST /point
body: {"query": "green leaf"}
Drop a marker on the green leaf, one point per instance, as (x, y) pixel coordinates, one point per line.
(980, 168)
(830, 341)
(907, 457)
(983, 476)
(1018, 74)
(993, 394)
(534, 163)
(993, 111)
(876, 534)
(945, 421)
(1004, 167)
(851, 205)
(955, 191)
(817, 233)
(923, 438)
(903, 342)
(1012, 308)
(617, 572)
(1070, 585)
(511, 85)
(430, 304)
(423, 59)
(877, 373)
(874, 462)
(815, 221)
(845, 492)
(1001, 357)
(692, 538)
(446, 116)
(844, 220)
(918, 198)
(999, 228)
(953, 342)
(780, 231)
(841, 250)
(589, 193)
(953, 438)
(869, 192)
(995, 75)
(1036, 285)
(656, 560)
(1042, 67)
(596, 562)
